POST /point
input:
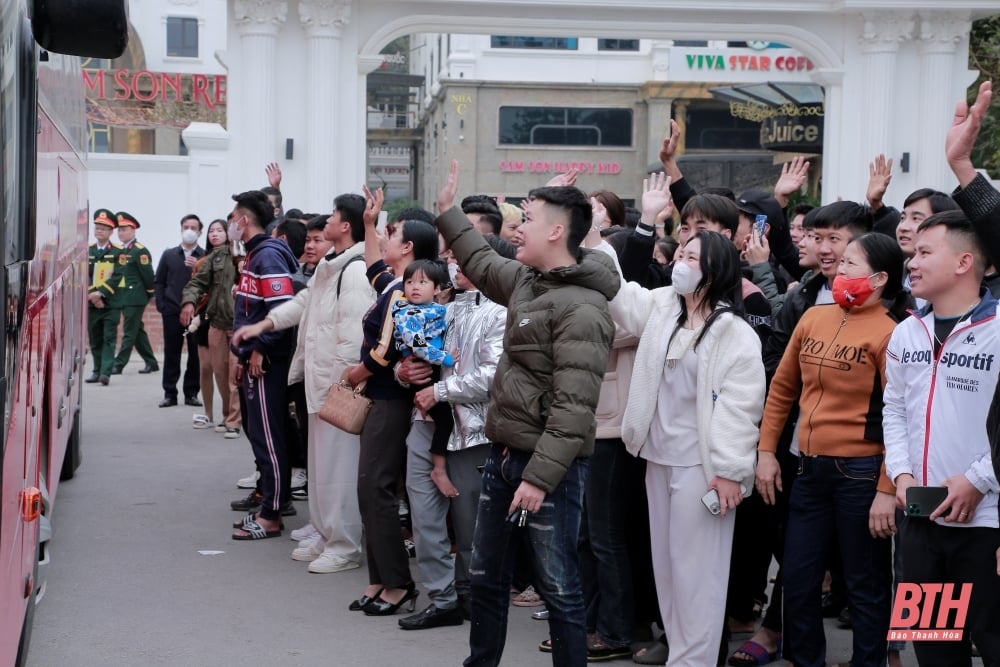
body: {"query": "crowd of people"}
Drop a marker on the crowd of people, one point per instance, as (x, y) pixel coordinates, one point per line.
(580, 404)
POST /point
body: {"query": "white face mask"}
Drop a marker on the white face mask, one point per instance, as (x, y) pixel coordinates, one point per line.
(452, 272)
(189, 236)
(685, 278)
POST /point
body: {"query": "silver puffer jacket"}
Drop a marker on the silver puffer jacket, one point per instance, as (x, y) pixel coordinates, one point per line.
(475, 339)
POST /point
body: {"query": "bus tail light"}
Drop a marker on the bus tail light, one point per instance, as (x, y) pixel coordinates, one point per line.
(31, 504)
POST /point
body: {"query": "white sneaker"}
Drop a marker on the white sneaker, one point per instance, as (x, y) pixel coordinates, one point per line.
(303, 533)
(249, 482)
(220, 428)
(308, 550)
(299, 478)
(328, 562)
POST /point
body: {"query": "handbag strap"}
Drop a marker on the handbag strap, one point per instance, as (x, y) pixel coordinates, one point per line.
(340, 278)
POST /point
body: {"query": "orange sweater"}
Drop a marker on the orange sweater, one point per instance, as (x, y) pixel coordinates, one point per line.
(834, 366)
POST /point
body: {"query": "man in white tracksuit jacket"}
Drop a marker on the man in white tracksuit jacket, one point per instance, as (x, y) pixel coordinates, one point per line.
(941, 369)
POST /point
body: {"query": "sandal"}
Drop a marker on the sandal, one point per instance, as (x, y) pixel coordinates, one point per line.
(652, 654)
(758, 654)
(251, 517)
(527, 598)
(255, 531)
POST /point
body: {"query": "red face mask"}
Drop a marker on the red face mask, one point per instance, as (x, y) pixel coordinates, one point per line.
(850, 292)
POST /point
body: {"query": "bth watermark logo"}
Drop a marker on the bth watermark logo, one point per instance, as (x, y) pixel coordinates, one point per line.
(929, 612)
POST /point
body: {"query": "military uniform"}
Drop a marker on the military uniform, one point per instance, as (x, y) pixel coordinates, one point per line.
(135, 265)
(102, 321)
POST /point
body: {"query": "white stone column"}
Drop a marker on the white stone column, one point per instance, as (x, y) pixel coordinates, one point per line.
(323, 21)
(880, 40)
(354, 120)
(208, 147)
(258, 23)
(835, 151)
(939, 36)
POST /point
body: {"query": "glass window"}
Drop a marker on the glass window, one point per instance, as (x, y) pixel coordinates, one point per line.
(565, 126)
(711, 127)
(690, 43)
(617, 45)
(521, 42)
(182, 37)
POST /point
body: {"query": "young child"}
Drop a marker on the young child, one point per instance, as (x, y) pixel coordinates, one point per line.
(419, 327)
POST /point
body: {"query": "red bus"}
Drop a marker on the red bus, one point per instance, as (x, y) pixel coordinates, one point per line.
(43, 199)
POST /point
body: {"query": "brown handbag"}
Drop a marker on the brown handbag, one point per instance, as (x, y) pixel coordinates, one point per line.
(346, 408)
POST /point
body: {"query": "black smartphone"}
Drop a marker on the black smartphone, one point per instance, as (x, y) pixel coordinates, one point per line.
(921, 501)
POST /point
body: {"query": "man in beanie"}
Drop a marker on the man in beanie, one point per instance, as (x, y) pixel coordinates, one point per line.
(135, 265)
(103, 310)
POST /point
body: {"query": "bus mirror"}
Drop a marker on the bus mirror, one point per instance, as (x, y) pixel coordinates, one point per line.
(88, 28)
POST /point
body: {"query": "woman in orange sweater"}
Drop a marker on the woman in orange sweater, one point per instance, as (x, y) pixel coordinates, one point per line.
(834, 367)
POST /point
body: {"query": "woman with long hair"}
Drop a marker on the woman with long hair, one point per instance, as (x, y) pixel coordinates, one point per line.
(211, 287)
(695, 399)
(834, 368)
(383, 439)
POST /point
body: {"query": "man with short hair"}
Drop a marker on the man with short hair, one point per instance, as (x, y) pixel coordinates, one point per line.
(941, 373)
(329, 314)
(103, 311)
(134, 292)
(172, 275)
(265, 283)
(483, 213)
(541, 414)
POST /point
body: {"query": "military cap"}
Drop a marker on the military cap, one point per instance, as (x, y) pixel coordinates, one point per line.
(127, 220)
(103, 216)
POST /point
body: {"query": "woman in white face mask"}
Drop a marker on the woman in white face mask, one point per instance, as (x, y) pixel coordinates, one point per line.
(695, 399)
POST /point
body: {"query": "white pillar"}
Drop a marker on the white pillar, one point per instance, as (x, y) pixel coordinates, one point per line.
(208, 147)
(354, 170)
(940, 34)
(835, 151)
(883, 33)
(323, 21)
(258, 24)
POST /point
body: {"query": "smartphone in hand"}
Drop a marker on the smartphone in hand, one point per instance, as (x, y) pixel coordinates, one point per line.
(921, 501)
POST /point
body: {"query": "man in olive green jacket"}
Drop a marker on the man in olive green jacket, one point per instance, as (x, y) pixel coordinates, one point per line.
(541, 413)
(135, 291)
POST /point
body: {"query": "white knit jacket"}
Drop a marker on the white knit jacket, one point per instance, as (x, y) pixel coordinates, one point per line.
(730, 387)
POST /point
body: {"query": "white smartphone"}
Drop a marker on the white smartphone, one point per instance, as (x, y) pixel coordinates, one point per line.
(383, 221)
(711, 499)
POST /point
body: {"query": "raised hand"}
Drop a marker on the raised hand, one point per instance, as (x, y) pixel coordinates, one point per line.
(879, 177)
(599, 219)
(273, 172)
(655, 196)
(373, 205)
(668, 149)
(961, 137)
(793, 177)
(566, 179)
(446, 197)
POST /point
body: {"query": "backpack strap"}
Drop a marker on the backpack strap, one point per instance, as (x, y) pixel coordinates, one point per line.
(340, 278)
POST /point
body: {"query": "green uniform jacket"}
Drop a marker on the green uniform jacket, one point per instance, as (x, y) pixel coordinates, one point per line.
(135, 265)
(104, 273)
(217, 275)
(556, 348)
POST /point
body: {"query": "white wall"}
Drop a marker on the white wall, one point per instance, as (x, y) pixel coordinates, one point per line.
(149, 18)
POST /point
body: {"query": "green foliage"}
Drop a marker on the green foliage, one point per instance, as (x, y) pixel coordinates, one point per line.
(397, 206)
(984, 55)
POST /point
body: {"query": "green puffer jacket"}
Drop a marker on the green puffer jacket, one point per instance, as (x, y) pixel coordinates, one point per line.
(556, 348)
(215, 275)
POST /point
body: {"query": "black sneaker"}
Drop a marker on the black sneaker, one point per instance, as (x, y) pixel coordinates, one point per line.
(288, 509)
(301, 492)
(249, 504)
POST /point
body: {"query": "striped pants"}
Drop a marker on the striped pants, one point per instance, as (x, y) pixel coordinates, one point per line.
(264, 416)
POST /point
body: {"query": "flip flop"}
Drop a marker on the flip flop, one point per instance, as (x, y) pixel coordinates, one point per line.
(255, 531)
(250, 518)
(758, 654)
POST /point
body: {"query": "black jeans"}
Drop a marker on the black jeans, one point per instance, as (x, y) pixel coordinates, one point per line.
(605, 561)
(173, 345)
(933, 553)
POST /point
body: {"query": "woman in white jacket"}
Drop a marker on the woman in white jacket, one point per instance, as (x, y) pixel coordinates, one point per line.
(695, 400)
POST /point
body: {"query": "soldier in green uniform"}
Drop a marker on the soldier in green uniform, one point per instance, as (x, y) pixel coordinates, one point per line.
(136, 289)
(103, 311)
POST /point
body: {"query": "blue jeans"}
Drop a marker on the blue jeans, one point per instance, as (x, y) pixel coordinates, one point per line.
(605, 562)
(833, 495)
(553, 532)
